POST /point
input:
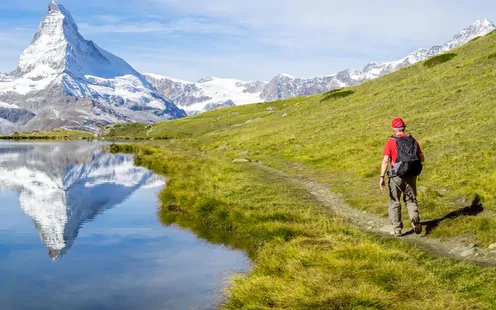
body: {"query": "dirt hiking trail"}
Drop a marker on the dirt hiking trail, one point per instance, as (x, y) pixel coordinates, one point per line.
(375, 224)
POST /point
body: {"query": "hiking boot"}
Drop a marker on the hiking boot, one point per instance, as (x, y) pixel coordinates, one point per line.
(417, 228)
(396, 232)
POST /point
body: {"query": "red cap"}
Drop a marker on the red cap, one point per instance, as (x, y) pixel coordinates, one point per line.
(398, 123)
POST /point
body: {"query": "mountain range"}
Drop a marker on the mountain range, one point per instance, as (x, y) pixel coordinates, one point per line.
(65, 81)
(211, 93)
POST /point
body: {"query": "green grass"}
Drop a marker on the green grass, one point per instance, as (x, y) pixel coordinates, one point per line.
(449, 108)
(303, 258)
(439, 59)
(336, 94)
(56, 134)
(491, 56)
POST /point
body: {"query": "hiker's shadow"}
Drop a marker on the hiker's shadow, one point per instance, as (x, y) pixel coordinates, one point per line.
(474, 209)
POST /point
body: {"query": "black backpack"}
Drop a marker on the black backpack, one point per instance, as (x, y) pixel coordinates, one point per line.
(408, 162)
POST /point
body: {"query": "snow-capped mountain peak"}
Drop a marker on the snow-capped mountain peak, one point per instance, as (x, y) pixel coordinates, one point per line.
(88, 87)
(59, 46)
(49, 45)
(481, 27)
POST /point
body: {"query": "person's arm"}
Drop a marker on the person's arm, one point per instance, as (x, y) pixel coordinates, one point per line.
(419, 150)
(384, 167)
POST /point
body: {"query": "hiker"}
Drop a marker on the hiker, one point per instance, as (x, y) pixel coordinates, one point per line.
(403, 153)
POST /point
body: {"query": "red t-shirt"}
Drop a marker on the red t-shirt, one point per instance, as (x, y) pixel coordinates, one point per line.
(391, 150)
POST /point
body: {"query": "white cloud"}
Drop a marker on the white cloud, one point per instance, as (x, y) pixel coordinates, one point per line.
(186, 25)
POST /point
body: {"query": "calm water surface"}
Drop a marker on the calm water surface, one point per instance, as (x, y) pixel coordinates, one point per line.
(79, 230)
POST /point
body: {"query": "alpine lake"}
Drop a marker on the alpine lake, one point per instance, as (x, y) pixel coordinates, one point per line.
(79, 229)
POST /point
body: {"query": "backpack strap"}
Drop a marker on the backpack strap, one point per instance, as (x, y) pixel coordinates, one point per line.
(395, 137)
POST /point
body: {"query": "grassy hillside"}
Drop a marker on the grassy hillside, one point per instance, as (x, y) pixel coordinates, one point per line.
(303, 257)
(449, 105)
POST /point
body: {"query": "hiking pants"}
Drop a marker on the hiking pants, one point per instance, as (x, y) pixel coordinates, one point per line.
(407, 187)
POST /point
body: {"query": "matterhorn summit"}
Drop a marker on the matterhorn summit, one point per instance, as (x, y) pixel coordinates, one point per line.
(67, 81)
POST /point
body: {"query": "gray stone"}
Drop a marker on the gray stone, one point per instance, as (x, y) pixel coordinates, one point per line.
(492, 246)
(241, 160)
(469, 252)
(244, 154)
(219, 105)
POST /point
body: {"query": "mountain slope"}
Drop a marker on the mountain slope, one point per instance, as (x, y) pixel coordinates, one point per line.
(196, 97)
(67, 81)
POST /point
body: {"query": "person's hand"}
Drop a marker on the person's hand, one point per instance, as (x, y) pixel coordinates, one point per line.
(382, 183)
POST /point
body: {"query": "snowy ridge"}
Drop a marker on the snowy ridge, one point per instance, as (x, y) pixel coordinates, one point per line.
(283, 86)
(194, 97)
(208, 93)
(8, 106)
(62, 187)
(60, 67)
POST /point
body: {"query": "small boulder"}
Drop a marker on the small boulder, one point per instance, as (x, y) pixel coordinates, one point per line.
(241, 160)
(244, 154)
(469, 251)
(492, 246)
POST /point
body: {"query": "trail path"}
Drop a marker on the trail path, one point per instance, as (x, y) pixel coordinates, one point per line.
(375, 224)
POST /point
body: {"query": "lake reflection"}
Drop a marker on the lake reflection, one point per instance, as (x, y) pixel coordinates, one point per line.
(123, 257)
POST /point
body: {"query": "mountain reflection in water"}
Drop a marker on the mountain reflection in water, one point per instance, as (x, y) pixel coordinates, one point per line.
(63, 186)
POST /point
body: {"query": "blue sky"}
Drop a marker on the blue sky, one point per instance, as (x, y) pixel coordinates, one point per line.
(251, 40)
